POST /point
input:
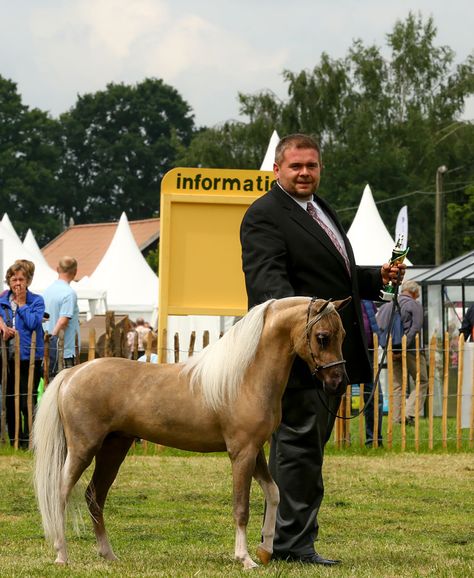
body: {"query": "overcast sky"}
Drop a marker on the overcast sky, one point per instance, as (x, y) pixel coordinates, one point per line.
(209, 50)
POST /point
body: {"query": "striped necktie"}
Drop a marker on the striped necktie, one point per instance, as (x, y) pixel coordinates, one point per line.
(314, 213)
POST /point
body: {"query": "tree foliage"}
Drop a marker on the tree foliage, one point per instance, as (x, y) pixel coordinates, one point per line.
(387, 121)
(29, 161)
(388, 117)
(117, 146)
(236, 145)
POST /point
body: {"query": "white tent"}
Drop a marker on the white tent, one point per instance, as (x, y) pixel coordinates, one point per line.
(13, 249)
(370, 240)
(131, 286)
(91, 300)
(10, 228)
(30, 244)
(269, 159)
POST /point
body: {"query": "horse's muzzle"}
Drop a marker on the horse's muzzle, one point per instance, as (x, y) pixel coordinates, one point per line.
(334, 380)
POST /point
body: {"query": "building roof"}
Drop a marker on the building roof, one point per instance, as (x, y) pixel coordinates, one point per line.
(89, 243)
(458, 271)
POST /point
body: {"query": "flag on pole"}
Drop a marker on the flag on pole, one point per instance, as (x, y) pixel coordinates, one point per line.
(401, 228)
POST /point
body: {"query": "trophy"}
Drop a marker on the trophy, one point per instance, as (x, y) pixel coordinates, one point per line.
(398, 256)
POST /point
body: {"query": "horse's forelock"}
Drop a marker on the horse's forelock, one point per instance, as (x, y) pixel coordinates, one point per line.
(327, 310)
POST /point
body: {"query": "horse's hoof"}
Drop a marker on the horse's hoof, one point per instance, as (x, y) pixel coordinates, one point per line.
(250, 564)
(109, 556)
(60, 561)
(264, 556)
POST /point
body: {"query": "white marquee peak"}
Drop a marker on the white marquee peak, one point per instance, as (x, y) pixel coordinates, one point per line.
(269, 159)
(371, 242)
(125, 274)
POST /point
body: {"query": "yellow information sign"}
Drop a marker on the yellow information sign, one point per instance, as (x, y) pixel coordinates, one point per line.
(200, 257)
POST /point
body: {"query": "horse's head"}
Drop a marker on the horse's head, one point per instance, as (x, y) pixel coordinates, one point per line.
(322, 345)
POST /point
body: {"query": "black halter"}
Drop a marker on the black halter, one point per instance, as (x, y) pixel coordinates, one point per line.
(317, 367)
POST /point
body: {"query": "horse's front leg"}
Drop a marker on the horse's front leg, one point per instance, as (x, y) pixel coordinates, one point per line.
(243, 467)
(272, 498)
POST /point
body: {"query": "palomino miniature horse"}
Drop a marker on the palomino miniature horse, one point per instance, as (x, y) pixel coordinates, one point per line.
(228, 397)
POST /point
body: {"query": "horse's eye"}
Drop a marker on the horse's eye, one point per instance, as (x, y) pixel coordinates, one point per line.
(323, 339)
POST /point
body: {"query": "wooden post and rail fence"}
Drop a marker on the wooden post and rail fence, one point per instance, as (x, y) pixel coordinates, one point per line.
(441, 429)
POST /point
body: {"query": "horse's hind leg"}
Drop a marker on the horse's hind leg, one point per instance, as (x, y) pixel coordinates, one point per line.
(272, 498)
(73, 468)
(107, 463)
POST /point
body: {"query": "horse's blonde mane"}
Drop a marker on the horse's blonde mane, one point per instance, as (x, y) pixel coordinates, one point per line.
(219, 368)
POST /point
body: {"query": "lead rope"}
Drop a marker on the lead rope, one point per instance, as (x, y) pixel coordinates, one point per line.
(395, 305)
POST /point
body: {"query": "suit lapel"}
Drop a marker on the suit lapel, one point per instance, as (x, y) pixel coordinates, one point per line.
(334, 217)
(300, 216)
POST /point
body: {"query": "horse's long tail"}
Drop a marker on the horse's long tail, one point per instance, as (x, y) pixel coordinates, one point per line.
(49, 444)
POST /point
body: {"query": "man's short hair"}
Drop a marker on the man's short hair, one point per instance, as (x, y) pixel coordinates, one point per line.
(67, 265)
(297, 140)
(410, 286)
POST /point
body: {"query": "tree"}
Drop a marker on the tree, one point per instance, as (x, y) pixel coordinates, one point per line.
(461, 224)
(236, 145)
(389, 123)
(29, 160)
(117, 146)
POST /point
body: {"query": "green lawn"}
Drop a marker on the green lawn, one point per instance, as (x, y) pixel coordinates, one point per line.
(385, 514)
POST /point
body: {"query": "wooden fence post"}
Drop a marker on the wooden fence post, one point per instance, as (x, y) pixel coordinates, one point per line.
(403, 394)
(444, 412)
(430, 392)
(176, 347)
(417, 391)
(390, 393)
(31, 384)
(459, 399)
(60, 353)
(135, 346)
(347, 422)
(109, 333)
(192, 341)
(4, 389)
(91, 350)
(148, 345)
(17, 389)
(46, 360)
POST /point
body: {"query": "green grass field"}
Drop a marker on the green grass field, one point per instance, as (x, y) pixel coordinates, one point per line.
(385, 514)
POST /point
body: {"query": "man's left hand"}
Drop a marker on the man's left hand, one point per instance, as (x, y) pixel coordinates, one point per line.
(391, 273)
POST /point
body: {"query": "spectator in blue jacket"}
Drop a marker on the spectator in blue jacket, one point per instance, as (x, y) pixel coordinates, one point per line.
(21, 313)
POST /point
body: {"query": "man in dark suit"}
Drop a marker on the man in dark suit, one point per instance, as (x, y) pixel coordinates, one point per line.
(293, 244)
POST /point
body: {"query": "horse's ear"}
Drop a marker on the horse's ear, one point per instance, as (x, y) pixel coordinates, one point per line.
(339, 305)
(323, 307)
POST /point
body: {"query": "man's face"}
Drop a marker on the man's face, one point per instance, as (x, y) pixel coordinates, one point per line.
(299, 172)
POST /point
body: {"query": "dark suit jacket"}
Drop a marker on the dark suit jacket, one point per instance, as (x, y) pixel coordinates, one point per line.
(285, 253)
